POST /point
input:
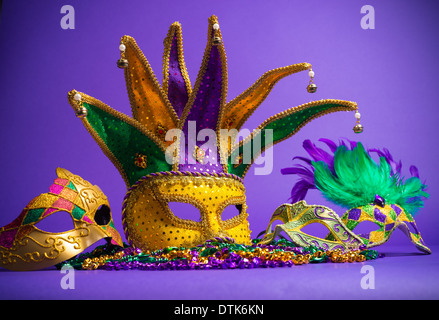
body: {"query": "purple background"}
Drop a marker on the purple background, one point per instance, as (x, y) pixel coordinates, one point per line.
(391, 72)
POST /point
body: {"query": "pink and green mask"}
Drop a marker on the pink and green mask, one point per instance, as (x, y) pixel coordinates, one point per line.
(25, 245)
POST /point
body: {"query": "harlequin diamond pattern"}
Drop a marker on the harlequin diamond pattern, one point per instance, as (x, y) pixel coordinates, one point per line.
(387, 219)
(62, 194)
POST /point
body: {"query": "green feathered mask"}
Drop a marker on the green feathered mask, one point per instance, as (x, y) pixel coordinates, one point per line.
(376, 191)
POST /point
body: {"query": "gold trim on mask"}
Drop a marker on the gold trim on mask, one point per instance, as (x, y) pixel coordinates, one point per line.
(40, 249)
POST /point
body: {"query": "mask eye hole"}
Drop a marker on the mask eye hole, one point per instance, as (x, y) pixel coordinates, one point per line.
(412, 227)
(273, 225)
(103, 215)
(185, 211)
(231, 211)
(57, 222)
(316, 229)
(363, 229)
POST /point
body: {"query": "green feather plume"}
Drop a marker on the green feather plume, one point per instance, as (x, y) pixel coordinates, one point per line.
(356, 178)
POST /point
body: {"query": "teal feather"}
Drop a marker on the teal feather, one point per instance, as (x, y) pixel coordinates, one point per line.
(356, 178)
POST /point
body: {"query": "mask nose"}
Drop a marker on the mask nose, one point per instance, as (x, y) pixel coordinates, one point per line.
(212, 225)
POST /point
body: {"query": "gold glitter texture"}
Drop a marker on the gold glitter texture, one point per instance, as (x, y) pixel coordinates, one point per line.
(151, 225)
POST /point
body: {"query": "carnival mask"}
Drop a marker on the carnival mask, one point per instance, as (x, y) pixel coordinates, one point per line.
(151, 225)
(160, 155)
(23, 246)
(376, 192)
(298, 215)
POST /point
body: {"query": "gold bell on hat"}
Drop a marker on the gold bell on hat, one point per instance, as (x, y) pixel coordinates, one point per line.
(81, 112)
(311, 88)
(122, 62)
(358, 127)
(216, 41)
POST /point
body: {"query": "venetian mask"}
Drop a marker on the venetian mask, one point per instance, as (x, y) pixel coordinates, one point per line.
(24, 246)
(387, 218)
(152, 225)
(296, 216)
(371, 191)
(161, 151)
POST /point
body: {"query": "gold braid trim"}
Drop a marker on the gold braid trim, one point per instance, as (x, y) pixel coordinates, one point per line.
(344, 106)
(168, 115)
(269, 79)
(174, 29)
(99, 104)
(210, 33)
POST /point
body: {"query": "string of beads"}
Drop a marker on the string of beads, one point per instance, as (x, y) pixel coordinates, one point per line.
(214, 254)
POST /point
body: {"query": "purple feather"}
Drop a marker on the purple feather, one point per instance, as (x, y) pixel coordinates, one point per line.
(414, 171)
(306, 160)
(300, 190)
(352, 144)
(305, 173)
(396, 167)
(319, 154)
(331, 144)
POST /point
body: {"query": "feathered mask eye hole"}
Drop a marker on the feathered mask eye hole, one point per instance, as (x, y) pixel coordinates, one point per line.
(347, 175)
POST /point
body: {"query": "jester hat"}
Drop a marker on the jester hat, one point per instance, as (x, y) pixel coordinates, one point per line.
(159, 167)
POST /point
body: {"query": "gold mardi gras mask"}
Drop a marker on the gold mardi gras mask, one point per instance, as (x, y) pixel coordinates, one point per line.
(139, 149)
(298, 215)
(150, 223)
(23, 246)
